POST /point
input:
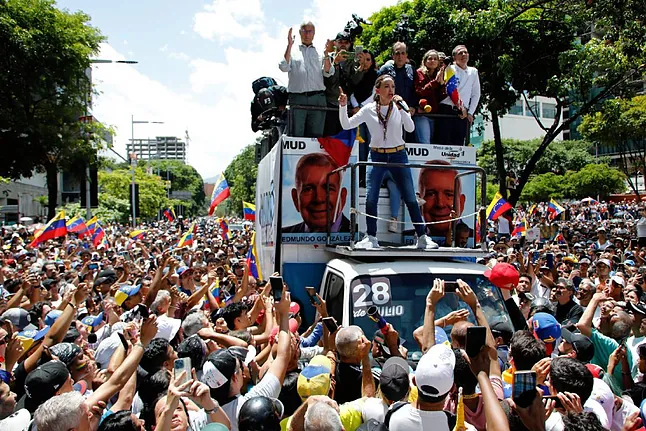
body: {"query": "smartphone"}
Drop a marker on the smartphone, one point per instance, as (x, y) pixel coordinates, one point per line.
(558, 404)
(276, 287)
(140, 310)
(535, 256)
(476, 338)
(330, 324)
(311, 291)
(183, 364)
(550, 260)
(93, 265)
(524, 388)
(450, 286)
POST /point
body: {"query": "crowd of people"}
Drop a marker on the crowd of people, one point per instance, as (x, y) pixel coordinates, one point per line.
(442, 84)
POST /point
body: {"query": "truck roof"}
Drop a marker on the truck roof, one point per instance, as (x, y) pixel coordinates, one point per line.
(353, 268)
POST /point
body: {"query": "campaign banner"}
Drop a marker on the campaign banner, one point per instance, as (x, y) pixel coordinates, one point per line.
(437, 188)
(305, 165)
(267, 209)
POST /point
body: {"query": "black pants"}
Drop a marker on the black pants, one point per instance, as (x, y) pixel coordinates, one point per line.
(451, 131)
(332, 122)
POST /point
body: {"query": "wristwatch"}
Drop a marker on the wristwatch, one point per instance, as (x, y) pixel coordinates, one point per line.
(215, 407)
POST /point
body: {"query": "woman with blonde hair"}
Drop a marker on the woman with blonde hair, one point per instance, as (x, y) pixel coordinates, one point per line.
(429, 84)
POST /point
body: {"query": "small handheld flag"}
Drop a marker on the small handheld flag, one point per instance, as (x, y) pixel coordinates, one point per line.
(55, 228)
(252, 259)
(554, 208)
(225, 228)
(520, 229)
(497, 207)
(97, 236)
(249, 211)
(169, 213)
(92, 225)
(137, 234)
(77, 225)
(221, 191)
(187, 238)
(452, 82)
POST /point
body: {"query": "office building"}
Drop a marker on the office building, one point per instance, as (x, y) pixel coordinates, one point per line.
(159, 148)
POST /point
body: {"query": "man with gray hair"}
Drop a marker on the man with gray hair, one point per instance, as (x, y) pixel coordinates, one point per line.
(63, 413)
(193, 322)
(322, 417)
(353, 348)
(306, 70)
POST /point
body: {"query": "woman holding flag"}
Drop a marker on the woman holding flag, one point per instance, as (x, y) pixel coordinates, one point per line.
(385, 117)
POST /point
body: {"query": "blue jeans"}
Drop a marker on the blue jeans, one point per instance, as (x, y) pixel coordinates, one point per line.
(404, 181)
(424, 128)
(393, 194)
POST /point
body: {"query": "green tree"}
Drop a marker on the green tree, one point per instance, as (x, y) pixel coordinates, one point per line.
(527, 48)
(44, 53)
(593, 180)
(543, 187)
(116, 185)
(182, 177)
(620, 127)
(241, 175)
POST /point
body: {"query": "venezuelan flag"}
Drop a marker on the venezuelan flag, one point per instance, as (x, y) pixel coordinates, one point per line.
(521, 228)
(169, 213)
(98, 235)
(221, 191)
(249, 211)
(187, 238)
(532, 210)
(554, 208)
(497, 207)
(225, 228)
(252, 259)
(55, 228)
(137, 234)
(452, 82)
(339, 146)
(77, 225)
(92, 225)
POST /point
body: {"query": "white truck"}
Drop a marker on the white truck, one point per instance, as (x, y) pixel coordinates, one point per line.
(310, 211)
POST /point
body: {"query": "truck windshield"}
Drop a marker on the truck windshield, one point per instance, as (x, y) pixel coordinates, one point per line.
(401, 300)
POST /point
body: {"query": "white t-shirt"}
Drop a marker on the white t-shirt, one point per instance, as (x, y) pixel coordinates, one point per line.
(408, 418)
(641, 227)
(633, 344)
(503, 226)
(269, 386)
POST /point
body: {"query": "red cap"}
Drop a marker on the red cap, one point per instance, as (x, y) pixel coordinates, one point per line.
(294, 308)
(503, 275)
(293, 328)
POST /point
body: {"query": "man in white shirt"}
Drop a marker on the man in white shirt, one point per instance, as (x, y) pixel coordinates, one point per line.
(306, 71)
(454, 131)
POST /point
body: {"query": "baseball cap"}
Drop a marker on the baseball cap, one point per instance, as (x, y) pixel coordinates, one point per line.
(503, 275)
(546, 328)
(640, 307)
(315, 378)
(48, 282)
(380, 339)
(294, 308)
(66, 352)
(434, 373)
(245, 354)
(107, 275)
(52, 316)
(293, 328)
(629, 262)
(42, 384)
(581, 344)
(394, 381)
(605, 262)
(18, 421)
(526, 295)
(620, 281)
(182, 269)
(19, 317)
(343, 36)
(167, 327)
(93, 321)
(584, 261)
(125, 292)
(29, 336)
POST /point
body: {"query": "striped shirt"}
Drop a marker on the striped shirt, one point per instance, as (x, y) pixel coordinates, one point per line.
(305, 70)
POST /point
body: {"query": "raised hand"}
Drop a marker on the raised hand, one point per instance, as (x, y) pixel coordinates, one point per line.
(343, 98)
(290, 37)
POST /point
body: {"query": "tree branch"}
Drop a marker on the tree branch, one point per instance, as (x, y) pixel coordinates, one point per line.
(540, 123)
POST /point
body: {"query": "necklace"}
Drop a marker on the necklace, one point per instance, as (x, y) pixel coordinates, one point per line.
(384, 120)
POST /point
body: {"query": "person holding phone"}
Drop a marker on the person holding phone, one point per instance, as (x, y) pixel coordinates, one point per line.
(385, 118)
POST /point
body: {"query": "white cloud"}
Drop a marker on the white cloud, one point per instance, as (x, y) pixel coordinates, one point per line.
(226, 20)
(182, 56)
(164, 48)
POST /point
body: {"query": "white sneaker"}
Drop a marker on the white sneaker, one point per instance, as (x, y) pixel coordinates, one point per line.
(367, 243)
(392, 225)
(425, 242)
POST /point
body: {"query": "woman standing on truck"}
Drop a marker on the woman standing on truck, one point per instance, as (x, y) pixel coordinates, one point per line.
(385, 117)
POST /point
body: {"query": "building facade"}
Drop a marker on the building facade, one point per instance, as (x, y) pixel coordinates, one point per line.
(159, 148)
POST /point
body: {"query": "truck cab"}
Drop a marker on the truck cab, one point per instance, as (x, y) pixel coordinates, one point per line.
(398, 288)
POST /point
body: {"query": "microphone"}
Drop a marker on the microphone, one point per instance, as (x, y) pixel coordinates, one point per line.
(402, 104)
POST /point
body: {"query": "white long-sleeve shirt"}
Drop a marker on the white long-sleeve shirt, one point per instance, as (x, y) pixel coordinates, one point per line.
(368, 115)
(468, 88)
(306, 70)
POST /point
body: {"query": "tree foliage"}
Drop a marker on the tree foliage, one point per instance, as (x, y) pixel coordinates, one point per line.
(115, 188)
(592, 180)
(528, 48)
(182, 177)
(44, 89)
(241, 175)
(620, 128)
(560, 157)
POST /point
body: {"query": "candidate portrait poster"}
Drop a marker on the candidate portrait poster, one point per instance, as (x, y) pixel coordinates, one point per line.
(304, 200)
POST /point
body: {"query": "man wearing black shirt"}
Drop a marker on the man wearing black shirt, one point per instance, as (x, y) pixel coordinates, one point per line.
(568, 312)
(352, 347)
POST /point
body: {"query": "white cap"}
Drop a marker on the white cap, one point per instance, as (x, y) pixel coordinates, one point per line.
(434, 373)
(618, 280)
(18, 421)
(602, 397)
(167, 327)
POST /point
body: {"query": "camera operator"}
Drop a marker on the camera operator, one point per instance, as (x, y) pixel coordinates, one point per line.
(306, 71)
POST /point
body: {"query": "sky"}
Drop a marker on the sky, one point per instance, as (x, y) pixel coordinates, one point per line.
(196, 62)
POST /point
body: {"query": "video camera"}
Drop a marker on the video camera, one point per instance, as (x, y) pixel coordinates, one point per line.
(353, 27)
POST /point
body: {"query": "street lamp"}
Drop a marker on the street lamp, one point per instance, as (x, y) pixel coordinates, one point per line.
(133, 160)
(88, 210)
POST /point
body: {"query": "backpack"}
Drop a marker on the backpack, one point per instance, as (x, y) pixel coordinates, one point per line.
(260, 83)
(451, 418)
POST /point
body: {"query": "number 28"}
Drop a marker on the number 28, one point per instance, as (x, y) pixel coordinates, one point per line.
(380, 294)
